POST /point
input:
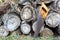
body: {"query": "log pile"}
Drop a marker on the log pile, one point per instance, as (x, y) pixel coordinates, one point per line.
(24, 15)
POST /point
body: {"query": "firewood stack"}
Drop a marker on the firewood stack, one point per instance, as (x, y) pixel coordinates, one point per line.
(22, 15)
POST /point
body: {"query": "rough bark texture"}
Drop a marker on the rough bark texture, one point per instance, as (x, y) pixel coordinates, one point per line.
(4, 7)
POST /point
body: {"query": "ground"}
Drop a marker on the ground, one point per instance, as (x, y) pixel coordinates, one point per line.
(24, 37)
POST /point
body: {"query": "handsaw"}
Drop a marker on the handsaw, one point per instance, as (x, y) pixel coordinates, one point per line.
(44, 10)
(41, 15)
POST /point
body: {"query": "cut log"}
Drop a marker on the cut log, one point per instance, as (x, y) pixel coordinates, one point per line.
(46, 32)
(52, 19)
(25, 28)
(11, 21)
(3, 32)
(28, 13)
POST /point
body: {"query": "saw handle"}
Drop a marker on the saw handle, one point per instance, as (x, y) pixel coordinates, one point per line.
(44, 10)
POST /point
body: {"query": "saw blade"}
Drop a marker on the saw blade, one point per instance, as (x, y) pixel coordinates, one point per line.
(40, 23)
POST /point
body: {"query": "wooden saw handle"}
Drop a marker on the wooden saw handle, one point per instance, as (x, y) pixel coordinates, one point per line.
(44, 10)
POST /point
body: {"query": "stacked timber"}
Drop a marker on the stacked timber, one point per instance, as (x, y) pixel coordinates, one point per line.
(27, 18)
